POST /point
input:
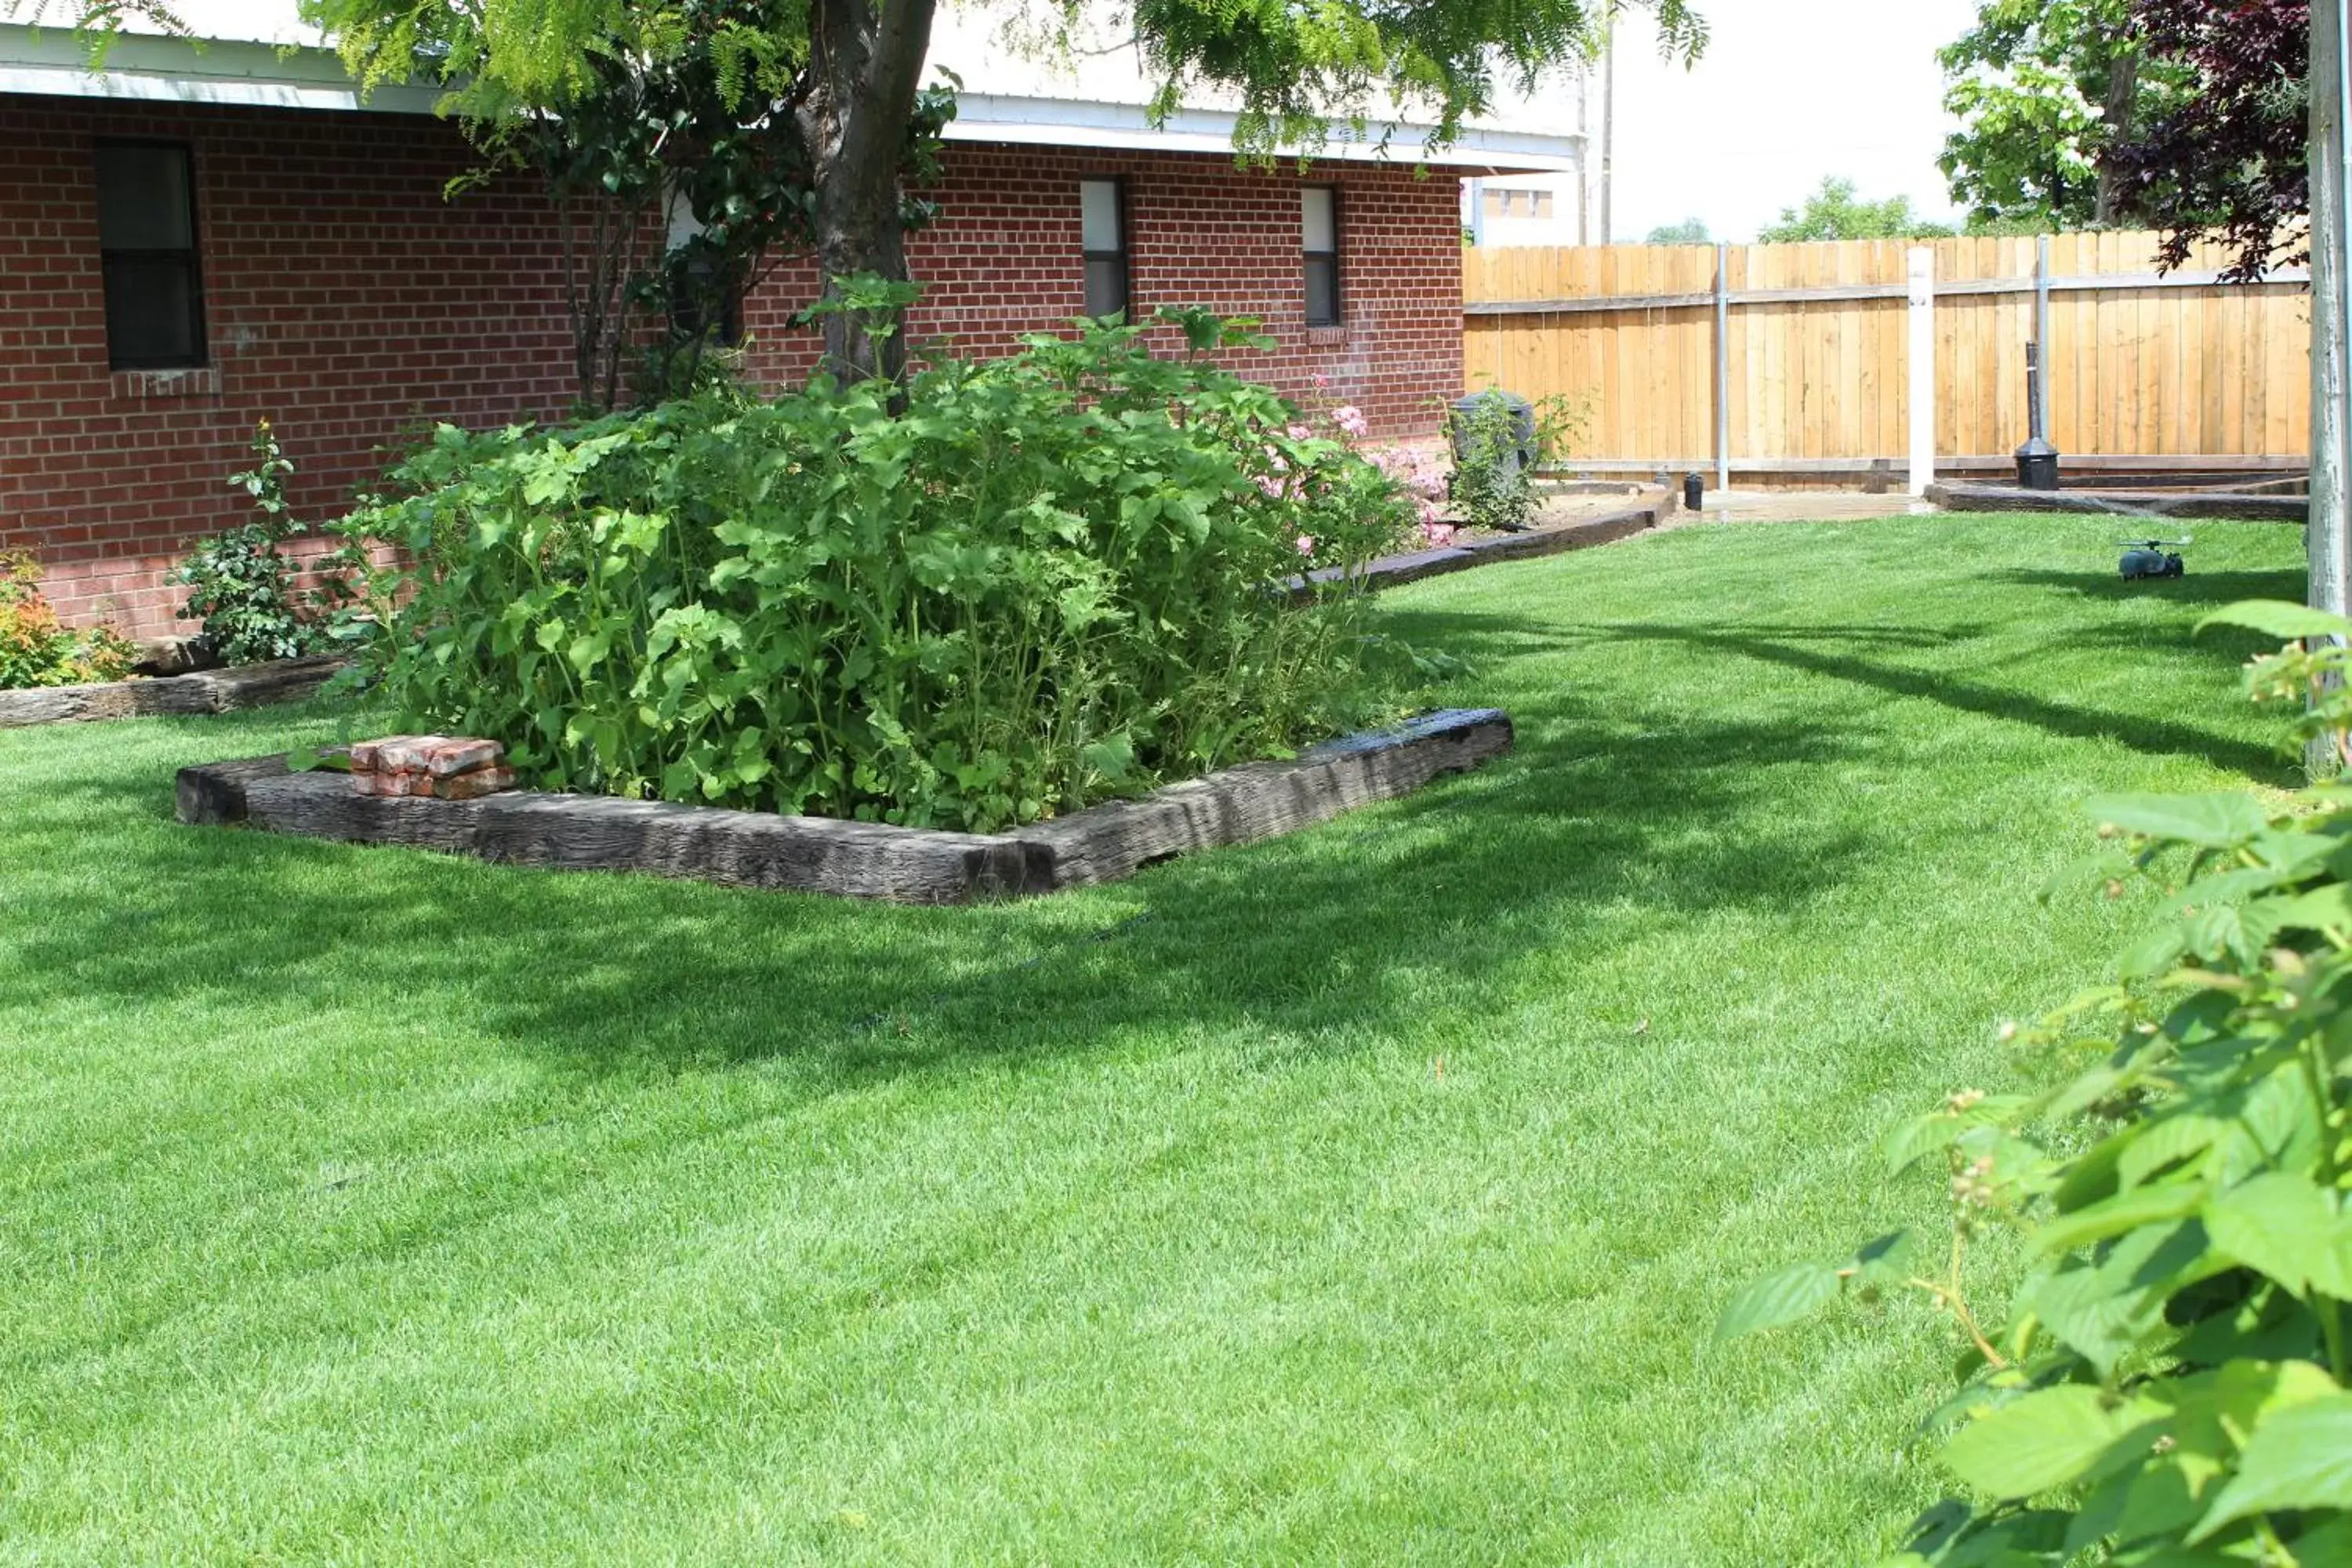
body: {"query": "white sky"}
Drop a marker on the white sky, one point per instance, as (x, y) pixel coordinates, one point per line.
(1788, 91)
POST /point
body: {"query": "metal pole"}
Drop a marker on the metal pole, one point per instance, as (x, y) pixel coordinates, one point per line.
(1584, 157)
(1722, 366)
(1608, 127)
(2041, 333)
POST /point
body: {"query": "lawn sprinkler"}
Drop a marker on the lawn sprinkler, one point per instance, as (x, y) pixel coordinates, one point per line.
(2153, 558)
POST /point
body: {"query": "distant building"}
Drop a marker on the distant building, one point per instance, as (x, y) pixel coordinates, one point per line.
(1555, 207)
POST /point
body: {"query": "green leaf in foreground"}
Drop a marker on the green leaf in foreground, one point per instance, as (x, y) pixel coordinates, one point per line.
(2299, 1458)
(2221, 820)
(2046, 1439)
(2284, 1226)
(1777, 1299)
(2279, 619)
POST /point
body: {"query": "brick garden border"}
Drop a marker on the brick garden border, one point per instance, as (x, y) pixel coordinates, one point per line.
(858, 860)
(205, 691)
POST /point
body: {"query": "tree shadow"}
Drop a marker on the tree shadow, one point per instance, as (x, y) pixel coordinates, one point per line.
(1806, 649)
(1349, 927)
(2209, 588)
(1581, 838)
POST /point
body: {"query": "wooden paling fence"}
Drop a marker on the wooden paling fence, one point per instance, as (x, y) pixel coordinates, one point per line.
(1839, 362)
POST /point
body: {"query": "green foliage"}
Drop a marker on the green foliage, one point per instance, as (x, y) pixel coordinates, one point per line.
(1049, 578)
(1690, 231)
(36, 649)
(1492, 485)
(241, 586)
(2041, 89)
(1834, 212)
(2171, 1381)
(1290, 66)
(838, 88)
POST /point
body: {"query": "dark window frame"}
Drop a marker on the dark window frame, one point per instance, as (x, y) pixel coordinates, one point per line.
(193, 258)
(1331, 258)
(1123, 258)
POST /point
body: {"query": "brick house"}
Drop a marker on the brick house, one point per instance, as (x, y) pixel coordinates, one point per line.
(196, 240)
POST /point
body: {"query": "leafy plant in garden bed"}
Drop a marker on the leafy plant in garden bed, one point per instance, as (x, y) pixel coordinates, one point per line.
(1044, 579)
(241, 586)
(36, 649)
(2172, 1382)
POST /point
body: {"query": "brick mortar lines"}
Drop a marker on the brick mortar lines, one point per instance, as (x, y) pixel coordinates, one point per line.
(348, 301)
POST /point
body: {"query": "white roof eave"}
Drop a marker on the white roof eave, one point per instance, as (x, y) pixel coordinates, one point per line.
(1127, 127)
(50, 61)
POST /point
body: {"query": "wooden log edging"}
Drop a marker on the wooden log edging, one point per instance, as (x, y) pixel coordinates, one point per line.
(204, 691)
(1655, 505)
(858, 860)
(2126, 506)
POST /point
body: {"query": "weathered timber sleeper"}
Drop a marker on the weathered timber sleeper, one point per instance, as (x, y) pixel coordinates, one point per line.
(858, 859)
(205, 691)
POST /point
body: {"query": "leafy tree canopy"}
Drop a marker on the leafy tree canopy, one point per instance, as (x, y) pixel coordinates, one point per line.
(2229, 157)
(1690, 231)
(2041, 89)
(1836, 212)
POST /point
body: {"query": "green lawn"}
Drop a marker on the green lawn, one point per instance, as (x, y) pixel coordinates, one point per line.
(1366, 1196)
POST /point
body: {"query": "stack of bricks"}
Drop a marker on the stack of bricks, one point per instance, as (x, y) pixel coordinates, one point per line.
(438, 767)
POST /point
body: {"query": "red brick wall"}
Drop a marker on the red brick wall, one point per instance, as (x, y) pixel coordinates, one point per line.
(347, 301)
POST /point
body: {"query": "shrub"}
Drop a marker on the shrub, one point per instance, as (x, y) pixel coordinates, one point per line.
(36, 649)
(241, 586)
(1491, 486)
(1047, 578)
(1496, 449)
(2172, 1382)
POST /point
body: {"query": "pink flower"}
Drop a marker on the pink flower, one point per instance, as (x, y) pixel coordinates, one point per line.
(1298, 432)
(1350, 419)
(1322, 382)
(1437, 533)
(1305, 543)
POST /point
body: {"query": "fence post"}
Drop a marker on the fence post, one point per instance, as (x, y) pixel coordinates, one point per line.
(2042, 426)
(1923, 368)
(1722, 366)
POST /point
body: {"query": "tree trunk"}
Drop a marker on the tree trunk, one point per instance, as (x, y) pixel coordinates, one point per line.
(867, 57)
(2120, 112)
(2328, 538)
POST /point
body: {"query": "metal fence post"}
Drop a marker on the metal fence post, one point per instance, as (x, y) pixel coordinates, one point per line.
(1722, 366)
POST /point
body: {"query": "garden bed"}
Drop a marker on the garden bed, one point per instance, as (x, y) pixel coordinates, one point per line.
(205, 691)
(1653, 507)
(2125, 504)
(858, 860)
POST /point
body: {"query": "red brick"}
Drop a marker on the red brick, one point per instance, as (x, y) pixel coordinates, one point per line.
(350, 303)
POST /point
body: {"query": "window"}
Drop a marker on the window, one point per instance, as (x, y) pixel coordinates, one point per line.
(147, 249)
(1102, 218)
(1318, 211)
(1505, 202)
(697, 304)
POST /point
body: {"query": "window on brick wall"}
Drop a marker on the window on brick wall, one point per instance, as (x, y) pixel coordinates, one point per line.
(1319, 224)
(147, 246)
(1102, 221)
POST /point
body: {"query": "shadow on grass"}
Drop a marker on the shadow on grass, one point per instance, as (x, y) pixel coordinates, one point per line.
(1347, 929)
(1808, 648)
(1584, 836)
